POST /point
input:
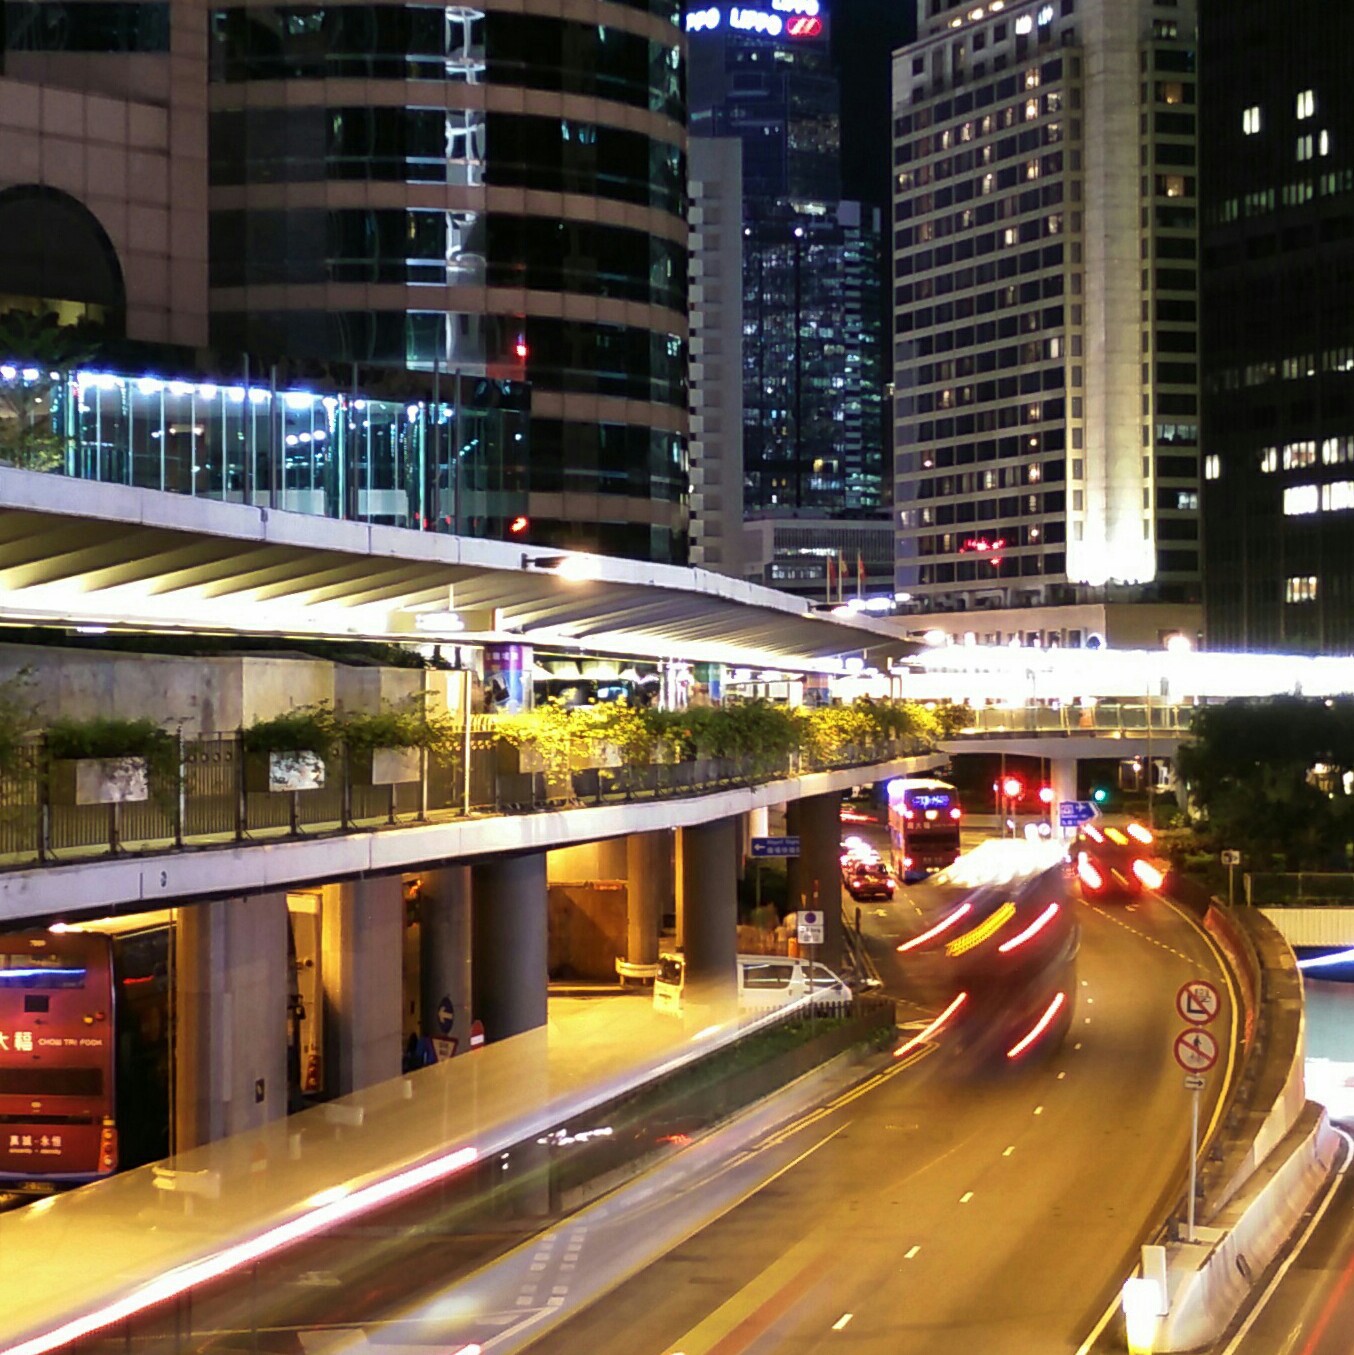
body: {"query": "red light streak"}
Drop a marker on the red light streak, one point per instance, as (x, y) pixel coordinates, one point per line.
(942, 926)
(1040, 1026)
(1139, 833)
(1088, 873)
(183, 1278)
(1148, 873)
(1093, 833)
(908, 1045)
(1033, 929)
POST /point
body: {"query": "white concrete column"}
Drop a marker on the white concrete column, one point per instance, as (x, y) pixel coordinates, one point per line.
(1063, 779)
(649, 891)
(445, 964)
(363, 975)
(710, 924)
(511, 930)
(759, 822)
(230, 1035)
(817, 871)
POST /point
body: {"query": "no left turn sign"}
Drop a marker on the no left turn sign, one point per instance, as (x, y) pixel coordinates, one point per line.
(1198, 1002)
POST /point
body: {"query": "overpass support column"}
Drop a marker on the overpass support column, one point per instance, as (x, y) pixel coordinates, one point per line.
(1063, 779)
(230, 993)
(649, 872)
(362, 927)
(709, 923)
(444, 951)
(817, 871)
(510, 935)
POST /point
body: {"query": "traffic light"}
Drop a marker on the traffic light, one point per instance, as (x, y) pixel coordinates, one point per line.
(1046, 795)
(1100, 795)
(1012, 788)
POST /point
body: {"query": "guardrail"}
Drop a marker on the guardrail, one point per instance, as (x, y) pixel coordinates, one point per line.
(207, 799)
(1105, 717)
(1301, 889)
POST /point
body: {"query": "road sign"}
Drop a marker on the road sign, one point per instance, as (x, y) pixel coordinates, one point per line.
(444, 1049)
(775, 846)
(811, 929)
(1198, 1002)
(446, 1016)
(1195, 1082)
(1196, 1051)
(1231, 858)
(1073, 813)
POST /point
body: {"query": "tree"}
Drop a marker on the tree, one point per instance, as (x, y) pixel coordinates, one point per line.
(36, 346)
(1272, 775)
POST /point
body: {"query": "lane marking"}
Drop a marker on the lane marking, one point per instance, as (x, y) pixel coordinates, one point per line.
(1077, 1045)
(1009, 1151)
(1038, 1110)
(911, 1252)
(966, 1197)
(842, 1321)
(1061, 1076)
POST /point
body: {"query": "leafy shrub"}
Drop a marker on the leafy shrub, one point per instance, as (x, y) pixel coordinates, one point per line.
(306, 729)
(108, 737)
(409, 725)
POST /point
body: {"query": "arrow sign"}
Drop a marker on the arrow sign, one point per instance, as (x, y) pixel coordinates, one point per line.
(1196, 1051)
(446, 1016)
(775, 846)
(1073, 813)
(1198, 1002)
(1196, 1082)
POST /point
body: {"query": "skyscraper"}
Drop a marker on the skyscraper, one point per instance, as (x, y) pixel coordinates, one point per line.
(1277, 196)
(1045, 331)
(483, 190)
(812, 417)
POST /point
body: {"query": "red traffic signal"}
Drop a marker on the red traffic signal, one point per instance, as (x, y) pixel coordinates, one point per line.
(1012, 788)
(1046, 794)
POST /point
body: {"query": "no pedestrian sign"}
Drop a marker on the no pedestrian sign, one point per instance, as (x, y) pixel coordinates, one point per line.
(1198, 1002)
(1196, 1051)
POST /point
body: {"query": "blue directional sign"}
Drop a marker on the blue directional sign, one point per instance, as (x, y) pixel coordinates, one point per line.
(446, 1016)
(775, 846)
(1073, 813)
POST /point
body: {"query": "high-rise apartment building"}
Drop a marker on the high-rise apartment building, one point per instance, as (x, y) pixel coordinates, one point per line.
(1277, 198)
(812, 379)
(1045, 304)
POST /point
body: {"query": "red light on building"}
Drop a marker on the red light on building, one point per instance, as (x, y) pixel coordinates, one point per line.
(520, 348)
(518, 525)
(804, 26)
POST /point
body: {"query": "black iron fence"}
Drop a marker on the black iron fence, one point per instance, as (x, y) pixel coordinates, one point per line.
(207, 795)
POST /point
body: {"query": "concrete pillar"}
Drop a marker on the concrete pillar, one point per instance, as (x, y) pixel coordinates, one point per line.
(649, 891)
(445, 965)
(710, 922)
(510, 944)
(1063, 778)
(759, 822)
(230, 1038)
(816, 821)
(362, 971)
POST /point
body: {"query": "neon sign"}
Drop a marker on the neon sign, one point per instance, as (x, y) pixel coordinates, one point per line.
(803, 20)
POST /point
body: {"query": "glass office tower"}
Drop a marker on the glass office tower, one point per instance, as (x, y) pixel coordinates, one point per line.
(473, 190)
(812, 443)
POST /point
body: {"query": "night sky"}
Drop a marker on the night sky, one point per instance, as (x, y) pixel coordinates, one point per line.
(864, 35)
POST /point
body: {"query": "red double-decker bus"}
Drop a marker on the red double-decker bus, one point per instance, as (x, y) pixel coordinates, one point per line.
(84, 1054)
(924, 819)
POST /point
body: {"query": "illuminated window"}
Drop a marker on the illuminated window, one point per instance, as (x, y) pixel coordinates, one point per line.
(1031, 109)
(1337, 497)
(1306, 104)
(1299, 455)
(1300, 588)
(1250, 120)
(1213, 467)
(1305, 147)
(1323, 142)
(1269, 459)
(1299, 500)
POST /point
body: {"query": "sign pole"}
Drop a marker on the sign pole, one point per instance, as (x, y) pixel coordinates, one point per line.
(1231, 885)
(1193, 1159)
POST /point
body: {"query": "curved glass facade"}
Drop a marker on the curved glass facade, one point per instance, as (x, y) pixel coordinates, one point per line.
(273, 122)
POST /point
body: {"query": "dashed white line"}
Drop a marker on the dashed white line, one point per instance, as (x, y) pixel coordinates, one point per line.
(1061, 1076)
(842, 1321)
(1038, 1110)
(1007, 1152)
(911, 1252)
(966, 1197)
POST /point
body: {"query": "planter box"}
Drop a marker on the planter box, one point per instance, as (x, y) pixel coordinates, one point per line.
(283, 771)
(384, 766)
(99, 781)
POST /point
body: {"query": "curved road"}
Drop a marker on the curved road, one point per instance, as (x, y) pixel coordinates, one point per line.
(937, 1213)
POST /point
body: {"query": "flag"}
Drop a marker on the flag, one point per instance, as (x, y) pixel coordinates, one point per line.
(841, 574)
(860, 574)
(830, 571)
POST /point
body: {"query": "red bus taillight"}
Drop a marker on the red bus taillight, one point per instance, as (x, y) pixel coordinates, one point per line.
(955, 812)
(108, 1148)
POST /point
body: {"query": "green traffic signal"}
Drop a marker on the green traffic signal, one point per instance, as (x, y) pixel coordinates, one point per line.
(1100, 795)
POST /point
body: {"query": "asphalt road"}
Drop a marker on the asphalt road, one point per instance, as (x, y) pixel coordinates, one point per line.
(941, 1212)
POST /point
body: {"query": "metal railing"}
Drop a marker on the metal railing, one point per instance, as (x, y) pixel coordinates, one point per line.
(206, 797)
(1106, 717)
(1301, 889)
